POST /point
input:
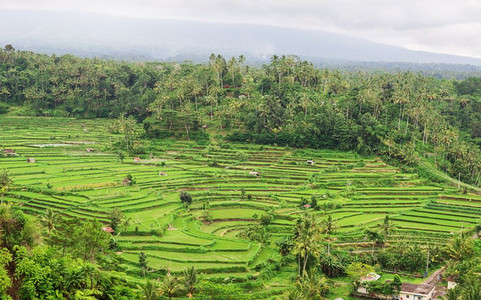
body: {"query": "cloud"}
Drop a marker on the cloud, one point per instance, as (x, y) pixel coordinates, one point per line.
(449, 26)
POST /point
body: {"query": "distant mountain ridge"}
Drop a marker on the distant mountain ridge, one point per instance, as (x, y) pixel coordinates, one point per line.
(116, 37)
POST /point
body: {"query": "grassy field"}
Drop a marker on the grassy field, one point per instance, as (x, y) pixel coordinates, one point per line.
(356, 191)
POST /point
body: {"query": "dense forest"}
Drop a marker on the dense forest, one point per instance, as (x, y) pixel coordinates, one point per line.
(406, 116)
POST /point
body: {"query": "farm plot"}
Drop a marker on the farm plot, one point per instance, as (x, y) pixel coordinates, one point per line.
(77, 173)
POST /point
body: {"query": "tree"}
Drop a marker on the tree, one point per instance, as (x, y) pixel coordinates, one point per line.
(386, 227)
(16, 229)
(5, 182)
(306, 241)
(185, 197)
(285, 245)
(49, 219)
(190, 279)
(121, 156)
(328, 227)
(310, 286)
(143, 262)
(90, 240)
(116, 217)
(460, 247)
(5, 281)
(266, 219)
(170, 286)
(150, 290)
(374, 237)
(472, 289)
(453, 294)
(332, 266)
(356, 270)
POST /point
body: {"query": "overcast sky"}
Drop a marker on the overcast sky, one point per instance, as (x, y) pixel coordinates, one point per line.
(443, 26)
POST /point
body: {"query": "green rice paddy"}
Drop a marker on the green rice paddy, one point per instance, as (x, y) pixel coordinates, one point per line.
(356, 191)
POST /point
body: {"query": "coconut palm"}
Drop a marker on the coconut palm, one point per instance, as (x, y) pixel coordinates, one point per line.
(452, 294)
(190, 279)
(307, 241)
(328, 227)
(50, 218)
(386, 227)
(170, 286)
(472, 289)
(150, 290)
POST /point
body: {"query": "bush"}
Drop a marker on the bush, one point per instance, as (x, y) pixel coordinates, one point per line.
(185, 197)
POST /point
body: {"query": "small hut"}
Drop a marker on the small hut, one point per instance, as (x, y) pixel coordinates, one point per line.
(255, 173)
(136, 159)
(30, 160)
(162, 173)
(127, 181)
(451, 280)
(89, 150)
(86, 130)
(307, 205)
(108, 229)
(9, 152)
(310, 162)
(204, 127)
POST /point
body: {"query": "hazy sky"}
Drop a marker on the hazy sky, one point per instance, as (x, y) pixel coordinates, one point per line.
(444, 26)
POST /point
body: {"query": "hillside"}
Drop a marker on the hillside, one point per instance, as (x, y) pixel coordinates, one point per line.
(357, 192)
(125, 180)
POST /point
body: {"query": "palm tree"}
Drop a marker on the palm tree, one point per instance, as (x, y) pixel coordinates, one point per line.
(328, 227)
(310, 286)
(460, 247)
(190, 279)
(49, 219)
(5, 182)
(170, 286)
(150, 290)
(374, 237)
(472, 289)
(386, 227)
(452, 294)
(306, 242)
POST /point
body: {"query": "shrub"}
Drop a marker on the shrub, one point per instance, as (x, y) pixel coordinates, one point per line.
(185, 197)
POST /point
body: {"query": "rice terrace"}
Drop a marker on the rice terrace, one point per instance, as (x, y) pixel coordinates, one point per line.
(234, 187)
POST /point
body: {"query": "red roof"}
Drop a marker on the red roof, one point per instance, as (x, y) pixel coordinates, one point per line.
(108, 229)
(307, 205)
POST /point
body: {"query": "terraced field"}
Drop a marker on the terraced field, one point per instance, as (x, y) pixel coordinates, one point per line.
(356, 191)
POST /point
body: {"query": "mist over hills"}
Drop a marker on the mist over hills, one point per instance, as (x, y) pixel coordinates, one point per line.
(125, 38)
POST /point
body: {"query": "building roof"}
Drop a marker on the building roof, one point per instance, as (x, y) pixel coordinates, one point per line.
(9, 151)
(419, 289)
(371, 277)
(108, 229)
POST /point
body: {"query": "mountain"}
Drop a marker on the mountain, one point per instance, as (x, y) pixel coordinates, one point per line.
(107, 36)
